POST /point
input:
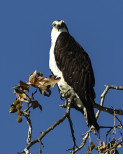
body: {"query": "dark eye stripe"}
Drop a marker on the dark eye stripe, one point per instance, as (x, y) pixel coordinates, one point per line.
(62, 25)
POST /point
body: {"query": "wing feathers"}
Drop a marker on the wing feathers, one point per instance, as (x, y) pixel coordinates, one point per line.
(77, 71)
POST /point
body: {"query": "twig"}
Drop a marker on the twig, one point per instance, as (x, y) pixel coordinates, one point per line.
(48, 130)
(27, 151)
(107, 88)
(120, 127)
(84, 141)
(72, 133)
(27, 116)
(119, 120)
(108, 133)
(101, 102)
(105, 109)
(108, 110)
(114, 125)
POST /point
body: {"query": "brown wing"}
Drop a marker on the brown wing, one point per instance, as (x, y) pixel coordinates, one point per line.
(77, 70)
(75, 65)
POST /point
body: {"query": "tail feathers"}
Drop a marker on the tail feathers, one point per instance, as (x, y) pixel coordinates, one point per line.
(90, 118)
(88, 114)
(93, 122)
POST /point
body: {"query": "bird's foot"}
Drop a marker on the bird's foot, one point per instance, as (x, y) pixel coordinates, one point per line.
(63, 106)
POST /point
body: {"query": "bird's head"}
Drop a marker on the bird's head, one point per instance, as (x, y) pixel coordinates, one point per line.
(58, 27)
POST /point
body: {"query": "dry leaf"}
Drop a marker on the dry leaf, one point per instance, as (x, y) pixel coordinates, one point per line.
(91, 147)
(101, 148)
(32, 77)
(13, 109)
(16, 102)
(35, 104)
(119, 145)
(52, 81)
(22, 97)
(22, 86)
(42, 83)
(110, 148)
(87, 152)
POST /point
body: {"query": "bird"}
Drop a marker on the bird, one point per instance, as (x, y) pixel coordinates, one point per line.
(69, 61)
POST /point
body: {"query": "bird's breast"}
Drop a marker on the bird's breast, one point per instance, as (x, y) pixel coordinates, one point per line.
(63, 86)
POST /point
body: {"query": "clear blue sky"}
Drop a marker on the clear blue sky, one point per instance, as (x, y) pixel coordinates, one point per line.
(25, 28)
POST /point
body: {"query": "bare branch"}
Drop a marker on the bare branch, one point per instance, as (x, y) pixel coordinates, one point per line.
(72, 133)
(48, 130)
(84, 141)
(101, 103)
(120, 127)
(27, 116)
(108, 110)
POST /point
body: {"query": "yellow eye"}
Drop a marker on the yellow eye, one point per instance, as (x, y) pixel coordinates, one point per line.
(54, 25)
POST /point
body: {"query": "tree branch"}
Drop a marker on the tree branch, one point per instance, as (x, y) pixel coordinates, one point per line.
(100, 108)
(26, 150)
(84, 140)
(105, 109)
(27, 116)
(72, 133)
(108, 110)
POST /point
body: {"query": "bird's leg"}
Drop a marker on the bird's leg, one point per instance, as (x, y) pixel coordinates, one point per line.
(63, 105)
(67, 96)
(69, 100)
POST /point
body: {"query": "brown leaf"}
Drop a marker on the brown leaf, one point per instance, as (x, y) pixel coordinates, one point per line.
(35, 104)
(22, 97)
(46, 83)
(13, 109)
(111, 144)
(116, 151)
(42, 83)
(87, 152)
(39, 74)
(119, 145)
(91, 147)
(32, 77)
(110, 148)
(22, 86)
(53, 80)
(101, 146)
(17, 91)
(49, 92)
(16, 102)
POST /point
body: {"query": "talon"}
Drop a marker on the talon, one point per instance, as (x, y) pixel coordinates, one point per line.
(63, 106)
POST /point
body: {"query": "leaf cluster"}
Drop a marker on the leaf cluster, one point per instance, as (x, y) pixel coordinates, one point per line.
(36, 80)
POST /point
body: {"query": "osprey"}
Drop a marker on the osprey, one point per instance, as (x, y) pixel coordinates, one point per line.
(70, 61)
